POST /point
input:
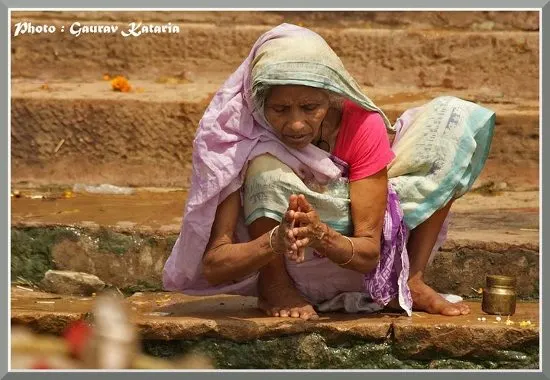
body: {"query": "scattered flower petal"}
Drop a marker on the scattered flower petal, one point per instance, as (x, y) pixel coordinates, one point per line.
(77, 336)
(121, 84)
(41, 364)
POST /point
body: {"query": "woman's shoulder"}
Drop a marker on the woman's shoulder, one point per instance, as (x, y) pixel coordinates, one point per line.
(362, 141)
(355, 111)
(356, 119)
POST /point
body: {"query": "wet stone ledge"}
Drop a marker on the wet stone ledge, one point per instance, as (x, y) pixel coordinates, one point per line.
(235, 334)
(131, 259)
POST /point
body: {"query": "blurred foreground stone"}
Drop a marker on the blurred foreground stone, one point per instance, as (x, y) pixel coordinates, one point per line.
(72, 283)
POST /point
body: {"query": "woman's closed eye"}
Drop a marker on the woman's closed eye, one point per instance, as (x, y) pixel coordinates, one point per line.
(310, 106)
(279, 108)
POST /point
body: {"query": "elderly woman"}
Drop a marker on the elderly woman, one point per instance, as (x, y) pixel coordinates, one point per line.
(298, 198)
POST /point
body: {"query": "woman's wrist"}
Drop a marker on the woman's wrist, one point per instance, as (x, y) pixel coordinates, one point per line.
(336, 247)
(274, 240)
(323, 235)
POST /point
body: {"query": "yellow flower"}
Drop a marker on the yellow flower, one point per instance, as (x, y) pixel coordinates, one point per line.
(120, 83)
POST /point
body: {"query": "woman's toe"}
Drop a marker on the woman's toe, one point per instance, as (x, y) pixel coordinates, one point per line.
(465, 309)
(451, 311)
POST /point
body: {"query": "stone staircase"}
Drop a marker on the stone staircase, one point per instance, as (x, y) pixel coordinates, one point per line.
(401, 60)
(68, 127)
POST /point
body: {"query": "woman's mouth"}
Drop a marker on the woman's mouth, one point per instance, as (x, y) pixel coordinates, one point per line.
(297, 139)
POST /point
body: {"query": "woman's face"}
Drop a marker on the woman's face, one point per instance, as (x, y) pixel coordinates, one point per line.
(296, 113)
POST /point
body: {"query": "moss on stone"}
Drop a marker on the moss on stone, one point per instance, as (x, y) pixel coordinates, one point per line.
(31, 248)
(164, 242)
(117, 243)
(141, 286)
(312, 351)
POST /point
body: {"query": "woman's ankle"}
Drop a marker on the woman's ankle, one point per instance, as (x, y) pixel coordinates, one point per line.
(416, 278)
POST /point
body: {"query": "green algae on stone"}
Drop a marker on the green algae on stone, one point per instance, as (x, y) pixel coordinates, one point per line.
(502, 359)
(31, 255)
(115, 242)
(453, 364)
(141, 286)
(303, 351)
(312, 351)
(35, 250)
(162, 241)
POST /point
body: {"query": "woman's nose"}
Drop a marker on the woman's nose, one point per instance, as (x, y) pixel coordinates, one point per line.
(297, 121)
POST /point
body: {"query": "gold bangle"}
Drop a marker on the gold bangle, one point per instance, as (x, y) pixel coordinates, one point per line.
(352, 252)
(270, 238)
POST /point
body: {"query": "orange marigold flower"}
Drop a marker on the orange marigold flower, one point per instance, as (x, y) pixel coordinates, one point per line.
(120, 83)
(106, 77)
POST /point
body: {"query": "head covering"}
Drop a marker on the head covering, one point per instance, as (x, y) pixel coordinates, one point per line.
(233, 131)
(304, 59)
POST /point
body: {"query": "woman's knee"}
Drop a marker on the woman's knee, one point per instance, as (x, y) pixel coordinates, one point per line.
(266, 164)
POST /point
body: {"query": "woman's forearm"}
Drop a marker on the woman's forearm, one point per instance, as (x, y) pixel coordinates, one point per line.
(365, 250)
(226, 261)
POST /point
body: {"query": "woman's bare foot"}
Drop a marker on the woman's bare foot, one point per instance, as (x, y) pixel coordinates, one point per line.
(285, 301)
(428, 300)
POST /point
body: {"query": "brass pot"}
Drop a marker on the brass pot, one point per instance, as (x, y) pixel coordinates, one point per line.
(499, 295)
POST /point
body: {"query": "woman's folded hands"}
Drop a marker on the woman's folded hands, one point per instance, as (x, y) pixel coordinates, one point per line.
(300, 228)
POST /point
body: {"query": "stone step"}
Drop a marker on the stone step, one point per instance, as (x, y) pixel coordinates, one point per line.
(144, 137)
(125, 239)
(235, 334)
(459, 20)
(504, 61)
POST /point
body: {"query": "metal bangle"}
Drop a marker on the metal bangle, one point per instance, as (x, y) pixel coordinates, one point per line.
(352, 252)
(270, 238)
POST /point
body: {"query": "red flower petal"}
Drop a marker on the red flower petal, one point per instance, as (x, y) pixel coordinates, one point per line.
(77, 335)
(41, 364)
